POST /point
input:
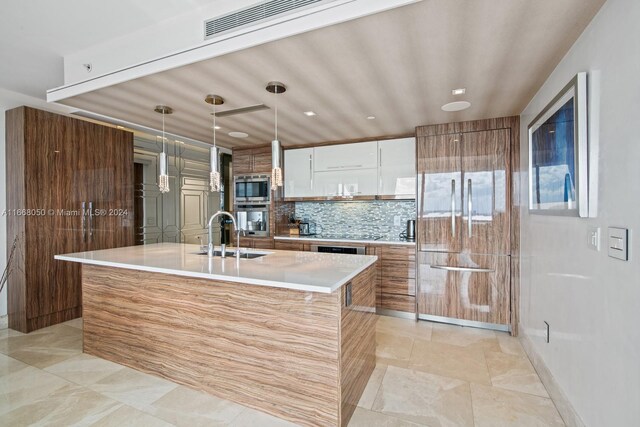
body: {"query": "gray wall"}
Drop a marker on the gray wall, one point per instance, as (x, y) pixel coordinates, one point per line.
(592, 301)
(182, 214)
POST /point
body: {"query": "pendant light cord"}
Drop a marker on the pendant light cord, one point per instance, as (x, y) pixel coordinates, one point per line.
(276, 102)
(163, 138)
(214, 122)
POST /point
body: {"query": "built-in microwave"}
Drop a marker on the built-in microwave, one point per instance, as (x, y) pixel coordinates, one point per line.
(252, 189)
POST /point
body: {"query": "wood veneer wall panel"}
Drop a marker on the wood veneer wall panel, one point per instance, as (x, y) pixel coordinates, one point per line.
(358, 341)
(15, 181)
(272, 349)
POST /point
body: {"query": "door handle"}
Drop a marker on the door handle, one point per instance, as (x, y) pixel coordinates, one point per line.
(469, 269)
(311, 170)
(453, 208)
(470, 207)
(84, 222)
(90, 220)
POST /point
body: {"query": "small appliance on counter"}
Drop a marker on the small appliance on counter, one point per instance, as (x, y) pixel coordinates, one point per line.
(410, 233)
(307, 228)
(253, 219)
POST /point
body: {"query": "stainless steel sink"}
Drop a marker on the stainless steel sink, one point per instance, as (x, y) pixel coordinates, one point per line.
(243, 255)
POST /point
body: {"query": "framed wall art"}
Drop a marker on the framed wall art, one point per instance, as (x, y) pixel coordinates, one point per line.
(558, 154)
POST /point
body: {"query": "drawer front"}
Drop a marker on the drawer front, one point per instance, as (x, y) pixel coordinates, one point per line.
(398, 303)
(289, 246)
(263, 244)
(398, 269)
(398, 286)
(398, 253)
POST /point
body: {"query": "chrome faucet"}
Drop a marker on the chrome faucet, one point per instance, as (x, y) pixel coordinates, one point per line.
(235, 228)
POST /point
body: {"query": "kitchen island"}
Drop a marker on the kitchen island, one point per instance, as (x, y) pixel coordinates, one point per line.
(288, 333)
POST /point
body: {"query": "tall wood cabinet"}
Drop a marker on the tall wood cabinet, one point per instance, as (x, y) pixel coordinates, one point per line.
(464, 225)
(69, 189)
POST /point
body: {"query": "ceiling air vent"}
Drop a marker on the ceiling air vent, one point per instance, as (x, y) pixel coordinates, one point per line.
(255, 14)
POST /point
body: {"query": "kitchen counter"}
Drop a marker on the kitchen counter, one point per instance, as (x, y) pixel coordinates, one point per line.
(303, 271)
(261, 332)
(386, 240)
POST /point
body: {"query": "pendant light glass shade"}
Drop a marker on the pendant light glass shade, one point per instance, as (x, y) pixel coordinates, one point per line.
(214, 175)
(215, 181)
(276, 147)
(276, 164)
(163, 160)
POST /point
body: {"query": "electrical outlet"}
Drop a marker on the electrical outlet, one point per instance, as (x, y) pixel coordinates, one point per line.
(593, 238)
(396, 220)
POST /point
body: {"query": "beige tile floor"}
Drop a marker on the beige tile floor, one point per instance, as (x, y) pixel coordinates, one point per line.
(428, 374)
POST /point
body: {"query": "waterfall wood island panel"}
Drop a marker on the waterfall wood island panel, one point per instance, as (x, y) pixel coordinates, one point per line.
(301, 356)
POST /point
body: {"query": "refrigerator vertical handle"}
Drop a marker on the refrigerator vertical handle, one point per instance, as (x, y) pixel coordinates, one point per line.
(453, 207)
(90, 220)
(84, 222)
(470, 207)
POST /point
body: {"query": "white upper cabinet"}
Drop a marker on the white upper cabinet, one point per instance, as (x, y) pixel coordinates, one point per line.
(361, 155)
(298, 173)
(397, 168)
(345, 183)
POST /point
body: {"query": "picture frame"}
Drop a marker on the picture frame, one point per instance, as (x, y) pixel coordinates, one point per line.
(558, 154)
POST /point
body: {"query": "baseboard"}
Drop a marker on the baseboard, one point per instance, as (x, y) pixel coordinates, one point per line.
(565, 408)
(4, 322)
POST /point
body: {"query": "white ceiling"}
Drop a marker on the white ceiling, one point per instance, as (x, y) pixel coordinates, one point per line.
(36, 34)
(399, 66)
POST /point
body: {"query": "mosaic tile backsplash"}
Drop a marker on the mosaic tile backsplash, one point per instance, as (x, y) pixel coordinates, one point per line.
(358, 218)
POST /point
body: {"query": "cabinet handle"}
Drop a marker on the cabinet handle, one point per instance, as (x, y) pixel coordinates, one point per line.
(90, 220)
(84, 222)
(344, 167)
(311, 170)
(470, 207)
(469, 269)
(453, 208)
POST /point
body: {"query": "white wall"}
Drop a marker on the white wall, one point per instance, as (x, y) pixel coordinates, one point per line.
(591, 301)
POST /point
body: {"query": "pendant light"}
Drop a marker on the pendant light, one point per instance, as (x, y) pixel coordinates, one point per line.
(163, 178)
(214, 175)
(276, 148)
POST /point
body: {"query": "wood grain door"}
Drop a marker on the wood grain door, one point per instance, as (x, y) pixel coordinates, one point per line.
(440, 193)
(242, 161)
(51, 158)
(486, 183)
(465, 286)
(262, 160)
(110, 188)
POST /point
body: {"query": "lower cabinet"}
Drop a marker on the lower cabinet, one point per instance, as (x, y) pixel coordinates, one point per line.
(257, 242)
(289, 246)
(395, 272)
(397, 269)
(465, 286)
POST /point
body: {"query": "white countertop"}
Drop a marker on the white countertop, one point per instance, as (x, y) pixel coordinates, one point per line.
(318, 238)
(303, 271)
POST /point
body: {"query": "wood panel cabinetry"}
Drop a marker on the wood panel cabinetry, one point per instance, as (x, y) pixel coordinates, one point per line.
(70, 183)
(465, 209)
(289, 246)
(257, 243)
(252, 160)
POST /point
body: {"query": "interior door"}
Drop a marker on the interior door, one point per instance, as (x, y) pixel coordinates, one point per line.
(485, 179)
(464, 286)
(439, 193)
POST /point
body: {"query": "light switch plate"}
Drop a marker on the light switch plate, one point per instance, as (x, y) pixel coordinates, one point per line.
(618, 243)
(593, 238)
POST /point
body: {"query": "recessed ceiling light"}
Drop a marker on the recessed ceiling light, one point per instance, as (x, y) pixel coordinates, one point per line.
(460, 91)
(238, 134)
(120, 127)
(456, 106)
(216, 127)
(371, 117)
(179, 142)
(310, 113)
